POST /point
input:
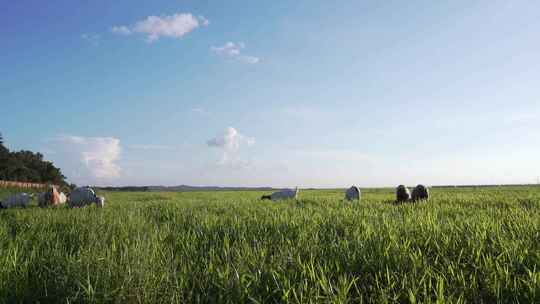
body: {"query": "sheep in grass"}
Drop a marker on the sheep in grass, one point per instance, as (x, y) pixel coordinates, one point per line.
(419, 193)
(402, 194)
(49, 198)
(84, 196)
(17, 200)
(282, 195)
(63, 198)
(353, 194)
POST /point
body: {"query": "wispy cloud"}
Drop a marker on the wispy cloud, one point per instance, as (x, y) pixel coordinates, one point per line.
(199, 111)
(249, 59)
(121, 30)
(154, 27)
(203, 20)
(230, 142)
(93, 39)
(233, 50)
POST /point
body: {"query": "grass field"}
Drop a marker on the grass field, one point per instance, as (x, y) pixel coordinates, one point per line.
(467, 245)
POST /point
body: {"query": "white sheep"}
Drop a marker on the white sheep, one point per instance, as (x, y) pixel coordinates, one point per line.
(17, 200)
(84, 196)
(51, 197)
(63, 198)
(353, 193)
(282, 195)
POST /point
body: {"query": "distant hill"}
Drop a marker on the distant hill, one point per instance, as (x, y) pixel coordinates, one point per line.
(185, 188)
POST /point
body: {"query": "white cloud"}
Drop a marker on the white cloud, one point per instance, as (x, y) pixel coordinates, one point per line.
(234, 51)
(230, 49)
(155, 27)
(88, 159)
(230, 143)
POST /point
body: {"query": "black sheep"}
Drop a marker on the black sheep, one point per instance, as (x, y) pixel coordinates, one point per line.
(402, 194)
(420, 192)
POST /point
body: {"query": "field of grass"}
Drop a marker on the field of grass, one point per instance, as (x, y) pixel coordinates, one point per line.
(466, 245)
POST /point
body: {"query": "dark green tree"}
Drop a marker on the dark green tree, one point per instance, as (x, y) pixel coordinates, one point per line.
(3, 150)
(27, 166)
(4, 156)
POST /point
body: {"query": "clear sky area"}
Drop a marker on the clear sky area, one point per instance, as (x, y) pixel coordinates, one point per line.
(274, 93)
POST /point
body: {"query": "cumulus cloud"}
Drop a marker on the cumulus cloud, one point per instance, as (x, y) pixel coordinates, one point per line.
(89, 159)
(234, 51)
(230, 142)
(155, 27)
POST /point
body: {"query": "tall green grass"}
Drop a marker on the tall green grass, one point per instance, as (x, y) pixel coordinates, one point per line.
(464, 246)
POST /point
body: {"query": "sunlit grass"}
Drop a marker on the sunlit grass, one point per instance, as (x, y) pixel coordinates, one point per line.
(465, 245)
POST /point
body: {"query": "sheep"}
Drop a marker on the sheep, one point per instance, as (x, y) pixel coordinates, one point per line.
(63, 198)
(84, 196)
(353, 193)
(49, 198)
(17, 200)
(402, 194)
(420, 192)
(282, 195)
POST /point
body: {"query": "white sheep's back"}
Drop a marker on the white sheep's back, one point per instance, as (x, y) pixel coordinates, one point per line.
(63, 198)
(284, 194)
(81, 197)
(17, 200)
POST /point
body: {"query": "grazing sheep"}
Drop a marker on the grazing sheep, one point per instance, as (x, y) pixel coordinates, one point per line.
(420, 192)
(84, 196)
(63, 198)
(282, 195)
(49, 198)
(353, 193)
(17, 200)
(42, 199)
(402, 194)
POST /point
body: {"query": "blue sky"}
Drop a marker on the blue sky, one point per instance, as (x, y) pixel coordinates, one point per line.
(279, 93)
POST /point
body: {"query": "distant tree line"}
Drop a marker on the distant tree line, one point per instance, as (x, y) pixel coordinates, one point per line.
(125, 189)
(28, 166)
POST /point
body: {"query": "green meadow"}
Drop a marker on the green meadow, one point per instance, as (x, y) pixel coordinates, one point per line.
(466, 245)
